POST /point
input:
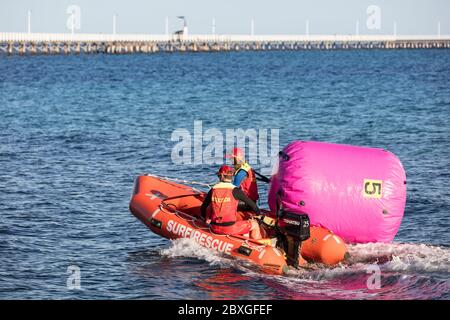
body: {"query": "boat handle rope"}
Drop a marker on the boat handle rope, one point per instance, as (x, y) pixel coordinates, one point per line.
(179, 214)
(170, 210)
(165, 207)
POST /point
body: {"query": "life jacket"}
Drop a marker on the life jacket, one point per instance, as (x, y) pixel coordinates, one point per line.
(248, 185)
(223, 204)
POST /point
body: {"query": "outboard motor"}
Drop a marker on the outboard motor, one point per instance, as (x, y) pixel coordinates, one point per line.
(292, 229)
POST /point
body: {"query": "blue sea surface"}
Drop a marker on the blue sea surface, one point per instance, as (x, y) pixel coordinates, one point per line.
(76, 130)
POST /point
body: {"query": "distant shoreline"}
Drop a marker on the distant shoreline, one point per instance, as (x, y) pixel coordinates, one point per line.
(53, 43)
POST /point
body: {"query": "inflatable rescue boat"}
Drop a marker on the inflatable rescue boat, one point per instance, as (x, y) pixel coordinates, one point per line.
(172, 210)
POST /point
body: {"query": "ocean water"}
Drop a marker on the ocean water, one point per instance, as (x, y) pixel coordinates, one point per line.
(76, 130)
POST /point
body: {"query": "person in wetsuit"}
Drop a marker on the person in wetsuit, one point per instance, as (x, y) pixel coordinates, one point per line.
(244, 178)
(221, 204)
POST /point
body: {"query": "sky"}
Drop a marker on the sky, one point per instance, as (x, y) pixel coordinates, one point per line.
(412, 17)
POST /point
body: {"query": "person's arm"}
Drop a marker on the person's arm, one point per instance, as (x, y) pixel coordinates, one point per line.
(205, 204)
(238, 194)
(239, 177)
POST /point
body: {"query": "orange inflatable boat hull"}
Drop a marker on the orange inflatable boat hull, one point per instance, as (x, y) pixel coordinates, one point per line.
(171, 210)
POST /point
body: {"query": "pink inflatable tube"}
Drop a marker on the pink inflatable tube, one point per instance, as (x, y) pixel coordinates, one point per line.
(358, 193)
